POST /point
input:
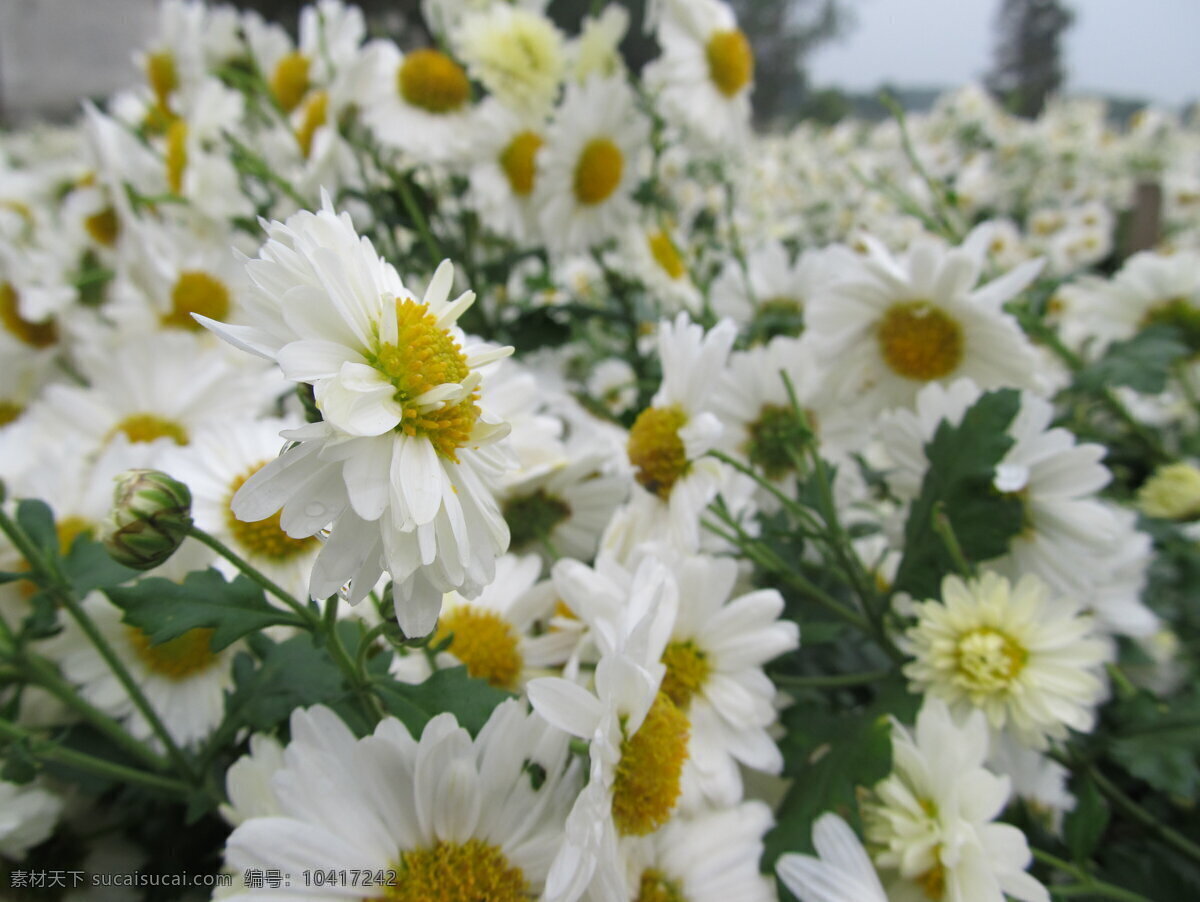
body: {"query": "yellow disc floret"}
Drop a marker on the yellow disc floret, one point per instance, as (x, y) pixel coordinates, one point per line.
(730, 61)
(988, 661)
(103, 227)
(655, 886)
(665, 254)
(656, 450)
(316, 112)
(9, 411)
(37, 335)
(178, 658)
(264, 538)
(517, 160)
(176, 155)
(646, 786)
(688, 668)
(161, 74)
(598, 171)
(484, 641)
(432, 81)
(425, 356)
(457, 872)
(289, 81)
(148, 427)
(920, 341)
(196, 292)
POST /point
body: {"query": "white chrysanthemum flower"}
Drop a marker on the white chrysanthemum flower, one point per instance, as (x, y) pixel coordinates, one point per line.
(889, 328)
(596, 52)
(588, 168)
(183, 679)
(929, 824)
(421, 104)
(658, 254)
(248, 781)
(192, 38)
(443, 815)
(398, 469)
(706, 72)
(515, 53)
(1032, 665)
(840, 871)
(669, 441)
(504, 173)
(214, 466)
(712, 857)
(28, 815)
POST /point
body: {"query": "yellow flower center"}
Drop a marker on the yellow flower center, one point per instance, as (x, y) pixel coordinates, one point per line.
(316, 112)
(919, 341)
(656, 450)
(646, 787)
(424, 357)
(103, 227)
(688, 668)
(655, 886)
(176, 155)
(161, 74)
(38, 335)
(458, 872)
(9, 411)
(988, 660)
(730, 61)
(289, 81)
(178, 658)
(533, 517)
(598, 171)
(264, 538)
(432, 81)
(485, 642)
(518, 159)
(665, 254)
(1179, 313)
(196, 292)
(148, 427)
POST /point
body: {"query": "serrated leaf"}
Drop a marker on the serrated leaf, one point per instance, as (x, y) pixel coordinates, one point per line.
(88, 566)
(292, 674)
(37, 521)
(1085, 825)
(1160, 743)
(1142, 363)
(471, 701)
(962, 464)
(165, 610)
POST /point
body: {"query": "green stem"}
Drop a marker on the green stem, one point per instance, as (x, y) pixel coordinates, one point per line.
(353, 672)
(945, 531)
(419, 220)
(833, 681)
(305, 613)
(49, 750)
(1088, 885)
(1171, 837)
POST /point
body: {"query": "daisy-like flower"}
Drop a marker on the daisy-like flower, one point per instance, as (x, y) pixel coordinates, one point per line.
(712, 857)
(517, 54)
(669, 440)
(588, 168)
(421, 104)
(503, 177)
(929, 824)
(214, 466)
(891, 327)
(1030, 664)
(840, 871)
(445, 816)
(29, 815)
(658, 254)
(398, 469)
(706, 72)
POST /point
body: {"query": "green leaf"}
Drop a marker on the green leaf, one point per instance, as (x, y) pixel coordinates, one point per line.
(1142, 363)
(1160, 743)
(471, 701)
(292, 674)
(962, 464)
(37, 521)
(88, 566)
(164, 610)
(1085, 825)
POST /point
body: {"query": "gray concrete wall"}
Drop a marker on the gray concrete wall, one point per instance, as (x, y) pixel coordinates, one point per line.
(53, 53)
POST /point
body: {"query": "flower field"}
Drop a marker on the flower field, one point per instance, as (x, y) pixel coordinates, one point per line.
(453, 466)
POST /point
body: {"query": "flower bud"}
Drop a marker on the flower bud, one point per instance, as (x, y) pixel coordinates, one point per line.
(150, 518)
(1173, 493)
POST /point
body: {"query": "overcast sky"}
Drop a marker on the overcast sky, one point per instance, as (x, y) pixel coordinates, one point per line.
(1127, 48)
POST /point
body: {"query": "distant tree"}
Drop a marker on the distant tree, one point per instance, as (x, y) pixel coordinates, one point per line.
(1028, 63)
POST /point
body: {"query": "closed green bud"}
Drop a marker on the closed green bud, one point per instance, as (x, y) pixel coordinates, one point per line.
(150, 518)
